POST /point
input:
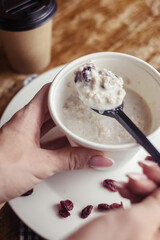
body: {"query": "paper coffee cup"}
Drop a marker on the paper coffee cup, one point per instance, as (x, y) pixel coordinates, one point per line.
(26, 33)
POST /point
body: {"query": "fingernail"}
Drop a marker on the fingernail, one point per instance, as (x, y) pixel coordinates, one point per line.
(147, 163)
(136, 176)
(119, 184)
(100, 162)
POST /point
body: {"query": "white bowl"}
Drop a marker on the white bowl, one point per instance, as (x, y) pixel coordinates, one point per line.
(144, 79)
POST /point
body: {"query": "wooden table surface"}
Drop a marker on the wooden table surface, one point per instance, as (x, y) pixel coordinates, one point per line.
(83, 27)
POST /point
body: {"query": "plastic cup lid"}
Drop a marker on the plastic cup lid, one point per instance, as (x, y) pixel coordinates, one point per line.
(22, 15)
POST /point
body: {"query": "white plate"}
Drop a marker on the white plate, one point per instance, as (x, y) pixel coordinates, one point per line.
(39, 210)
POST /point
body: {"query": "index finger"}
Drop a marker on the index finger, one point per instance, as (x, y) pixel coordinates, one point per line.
(151, 170)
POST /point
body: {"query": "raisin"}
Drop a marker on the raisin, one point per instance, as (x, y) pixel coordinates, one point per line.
(65, 207)
(64, 213)
(109, 184)
(107, 207)
(149, 158)
(104, 207)
(86, 211)
(27, 193)
(116, 205)
(67, 204)
(89, 67)
(84, 75)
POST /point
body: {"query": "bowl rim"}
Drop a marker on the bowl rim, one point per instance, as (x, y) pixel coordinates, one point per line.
(70, 134)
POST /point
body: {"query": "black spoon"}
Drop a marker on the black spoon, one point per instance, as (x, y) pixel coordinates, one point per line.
(136, 133)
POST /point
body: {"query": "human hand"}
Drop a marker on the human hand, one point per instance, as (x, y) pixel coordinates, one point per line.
(24, 161)
(141, 185)
(140, 222)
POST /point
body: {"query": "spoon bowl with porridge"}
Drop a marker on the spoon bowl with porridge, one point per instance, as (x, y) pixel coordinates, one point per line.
(103, 92)
(138, 89)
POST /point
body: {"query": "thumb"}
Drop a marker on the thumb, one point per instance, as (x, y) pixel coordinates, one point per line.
(78, 157)
(71, 158)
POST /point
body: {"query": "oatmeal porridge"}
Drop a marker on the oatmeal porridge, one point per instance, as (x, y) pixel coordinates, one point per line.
(99, 88)
(87, 124)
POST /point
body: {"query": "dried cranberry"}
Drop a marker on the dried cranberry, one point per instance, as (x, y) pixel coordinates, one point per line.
(107, 207)
(104, 207)
(67, 204)
(85, 74)
(109, 184)
(65, 207)
(27, 193)
(116, 205)
(86, 211)
(149, 158)
(64, 213)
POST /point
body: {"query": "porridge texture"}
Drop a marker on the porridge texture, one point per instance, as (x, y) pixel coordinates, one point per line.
(87, 124)
(99, 88)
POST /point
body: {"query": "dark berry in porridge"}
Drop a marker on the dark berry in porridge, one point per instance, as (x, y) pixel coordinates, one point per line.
(27, 193)
(89, 67)
(67, 204)
(86, 211)
(78, 77)
(109, 184)
(84, 73)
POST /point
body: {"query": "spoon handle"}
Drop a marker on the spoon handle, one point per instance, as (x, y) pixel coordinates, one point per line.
(136, 133)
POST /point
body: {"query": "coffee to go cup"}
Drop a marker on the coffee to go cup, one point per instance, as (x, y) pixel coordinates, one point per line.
(26, 33)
